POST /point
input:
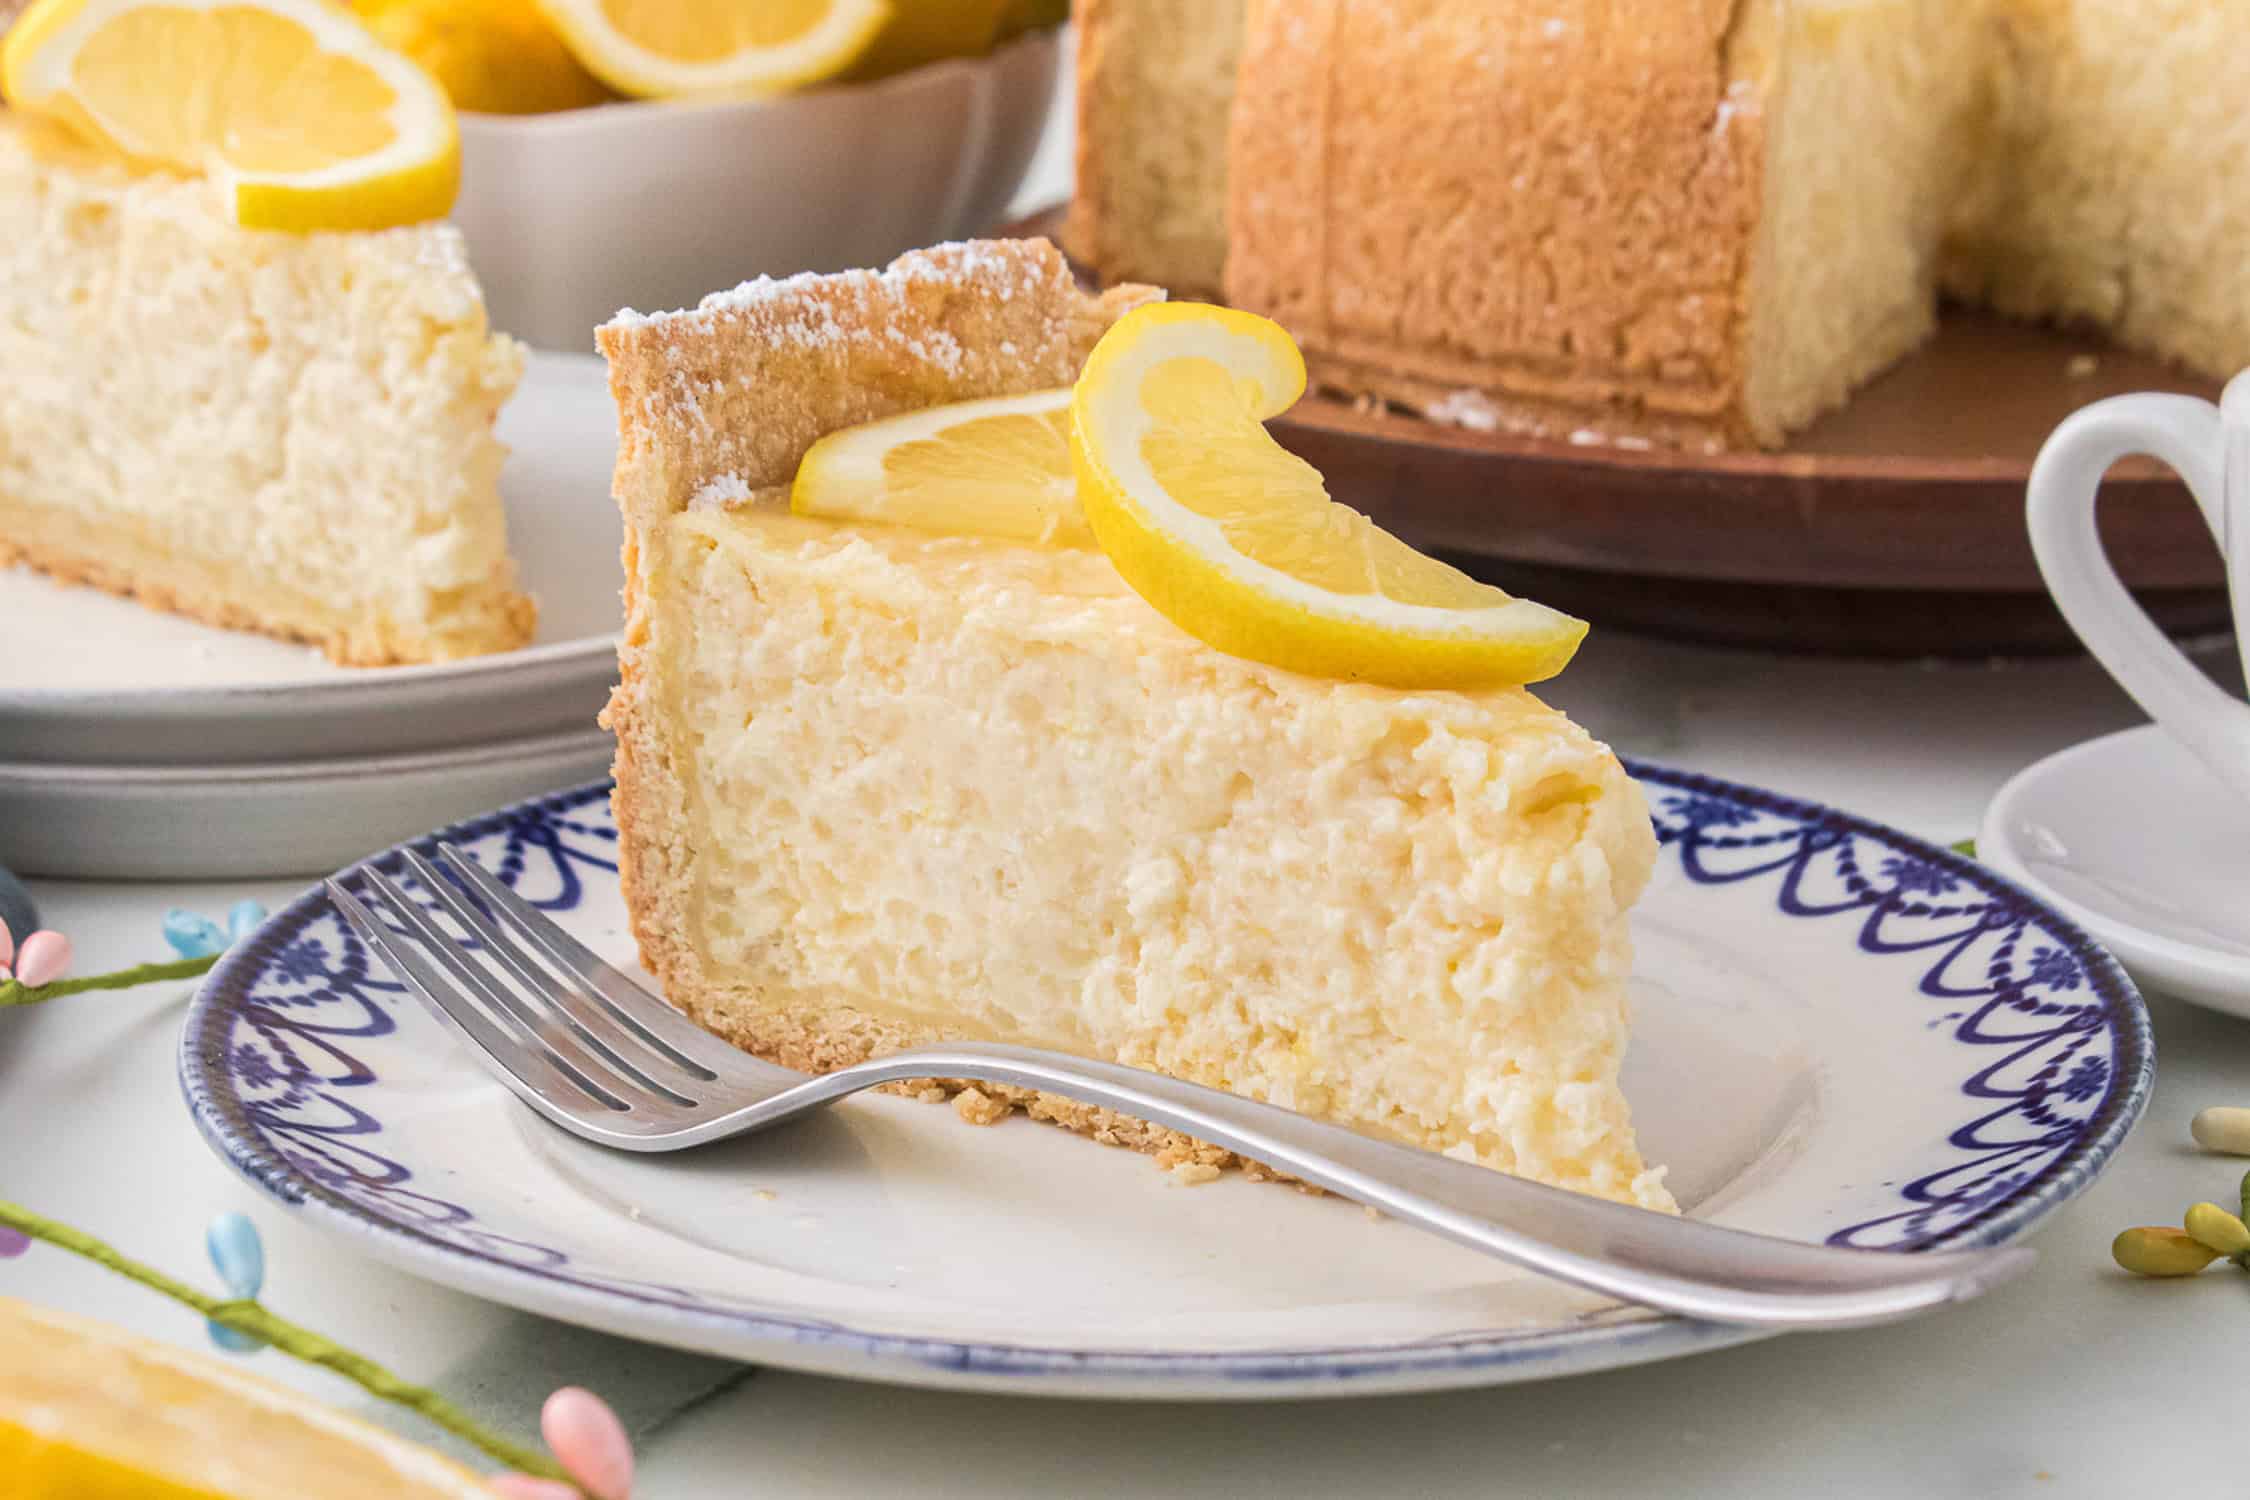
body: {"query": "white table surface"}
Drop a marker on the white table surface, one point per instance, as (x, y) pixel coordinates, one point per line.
(2072, 1381)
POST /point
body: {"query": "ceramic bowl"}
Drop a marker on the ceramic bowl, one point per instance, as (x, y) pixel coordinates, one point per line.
(571, 216)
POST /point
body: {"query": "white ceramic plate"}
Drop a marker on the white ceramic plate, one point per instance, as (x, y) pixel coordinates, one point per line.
(92, 679)
(1844, 1034)
(2143, 846)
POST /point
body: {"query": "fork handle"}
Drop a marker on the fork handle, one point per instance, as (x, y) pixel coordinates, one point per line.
(1673, 1264)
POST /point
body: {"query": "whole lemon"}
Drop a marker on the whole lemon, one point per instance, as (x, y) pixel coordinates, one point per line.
(925, 31)
(497, 57)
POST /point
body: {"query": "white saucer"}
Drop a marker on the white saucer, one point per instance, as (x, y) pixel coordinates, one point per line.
(90, 679)
(2151, 853)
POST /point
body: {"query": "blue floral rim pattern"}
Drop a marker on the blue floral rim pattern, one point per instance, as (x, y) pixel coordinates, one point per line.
(270, 1072)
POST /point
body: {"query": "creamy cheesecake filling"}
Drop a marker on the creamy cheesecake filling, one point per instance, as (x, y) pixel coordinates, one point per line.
(980, 789)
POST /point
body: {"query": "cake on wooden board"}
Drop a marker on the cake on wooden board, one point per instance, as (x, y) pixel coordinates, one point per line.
(1151, 203)
(878, 787)
(1701, 222)
(2110, 183)
(275, 432)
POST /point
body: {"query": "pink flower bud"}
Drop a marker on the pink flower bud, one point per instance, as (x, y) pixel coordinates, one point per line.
(43, 959)
(588, 1440)
(524, 1487)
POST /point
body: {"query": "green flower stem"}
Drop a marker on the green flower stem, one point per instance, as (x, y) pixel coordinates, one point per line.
(13, 993)
(251, 1317)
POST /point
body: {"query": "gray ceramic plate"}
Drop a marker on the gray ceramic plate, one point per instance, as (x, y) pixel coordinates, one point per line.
(94, 680)
(244, 821)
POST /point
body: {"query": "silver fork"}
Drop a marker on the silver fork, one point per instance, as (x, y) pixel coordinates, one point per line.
(585, 1046)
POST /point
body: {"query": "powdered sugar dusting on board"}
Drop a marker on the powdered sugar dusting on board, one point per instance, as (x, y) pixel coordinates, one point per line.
(1470, 409)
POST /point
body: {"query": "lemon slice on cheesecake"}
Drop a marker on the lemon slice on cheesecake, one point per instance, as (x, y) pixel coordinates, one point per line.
(658, 48)
(1160, 456)
(1236, 539)
(89, 1410)
(985, 468)
(292, 104)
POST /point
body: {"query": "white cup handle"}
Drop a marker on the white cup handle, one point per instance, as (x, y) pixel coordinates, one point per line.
(2190, 436)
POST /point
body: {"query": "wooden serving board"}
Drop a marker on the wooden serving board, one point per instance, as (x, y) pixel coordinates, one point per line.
(1893, 526)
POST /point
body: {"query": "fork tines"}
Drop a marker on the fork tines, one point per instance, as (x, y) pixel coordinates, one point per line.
(564, 1029)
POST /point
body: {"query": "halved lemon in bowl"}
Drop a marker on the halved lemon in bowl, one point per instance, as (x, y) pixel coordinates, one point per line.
(927, 31)
(292, 104)
(1236, 540)
(87, 1410)
(493, 57)
(998, 467)
(660, 48)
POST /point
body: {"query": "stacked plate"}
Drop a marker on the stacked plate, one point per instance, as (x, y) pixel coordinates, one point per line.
(135, 744)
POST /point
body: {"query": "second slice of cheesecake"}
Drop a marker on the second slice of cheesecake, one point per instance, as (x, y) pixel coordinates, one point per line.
(286, 433)
(878, 787)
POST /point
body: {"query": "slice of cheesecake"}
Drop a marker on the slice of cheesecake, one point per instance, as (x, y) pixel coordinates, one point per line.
(283, 433)
(879, 787)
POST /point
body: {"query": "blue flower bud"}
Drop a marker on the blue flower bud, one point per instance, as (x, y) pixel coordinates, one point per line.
(244, 918)
(233, 1340)
(240, 1259)
(192, 936)
(237, 1253)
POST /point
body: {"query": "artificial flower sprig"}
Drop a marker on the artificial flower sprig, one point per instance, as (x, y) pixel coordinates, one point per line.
(2207, 1232)
(256, 1327)
(592, 1455)
(39, 965)
(43, 959)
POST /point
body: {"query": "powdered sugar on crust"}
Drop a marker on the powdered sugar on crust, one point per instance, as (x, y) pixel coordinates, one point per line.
(721, 493)
(743, 383)
(988, 267)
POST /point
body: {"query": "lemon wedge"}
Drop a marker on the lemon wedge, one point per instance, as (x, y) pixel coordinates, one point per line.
(89, 1410)
(656, 48)
(1235, 539)
(292, 104)
(999, 467)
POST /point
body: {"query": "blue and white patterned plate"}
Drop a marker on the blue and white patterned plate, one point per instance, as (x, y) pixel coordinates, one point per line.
(1843, 1033)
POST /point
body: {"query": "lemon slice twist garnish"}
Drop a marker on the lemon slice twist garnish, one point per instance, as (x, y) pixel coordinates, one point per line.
(1236, 540)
